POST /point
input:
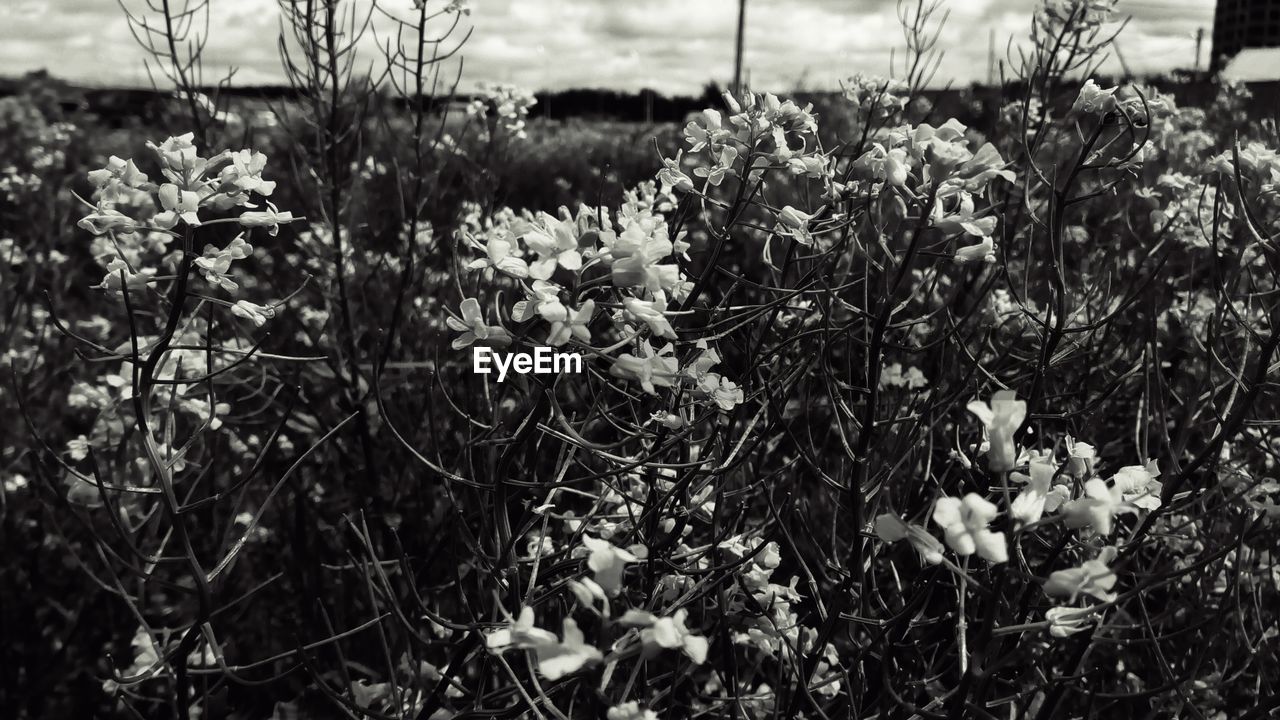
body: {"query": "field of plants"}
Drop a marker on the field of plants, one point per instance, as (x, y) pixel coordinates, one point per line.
(879, 415)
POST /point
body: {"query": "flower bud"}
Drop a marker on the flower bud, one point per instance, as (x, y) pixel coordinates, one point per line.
(794, 219)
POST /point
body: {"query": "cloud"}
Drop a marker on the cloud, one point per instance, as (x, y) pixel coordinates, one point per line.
(669, 45)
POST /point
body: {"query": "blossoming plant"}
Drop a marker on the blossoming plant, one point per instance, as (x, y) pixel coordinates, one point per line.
(159, 454)
(695, 361)
(799, 355)
(879, 415)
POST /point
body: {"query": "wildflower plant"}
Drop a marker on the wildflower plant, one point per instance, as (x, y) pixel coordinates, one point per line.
(878, 414)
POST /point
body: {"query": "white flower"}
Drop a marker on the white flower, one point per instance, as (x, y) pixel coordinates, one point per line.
(1138, 485)
(474, 328)
(710, 131)
(894, 375)
(215, 264)
(607, 562)
(177, 205)
(107, 219)
(569, 655)
(1064, 621)
(643, 270)
(669, 633)
(555, 242)
(962, 218)
(14, 483)
(630, 711)
(1002, 418)
(1097, 509)
(370, 695)
(984, 251)
(723, 167)
(117, 175)
(245, 173)
(202, 656)
(794, 224)
(587, 591)
(271, 219)
(1093, 577)
(520, 632)
(635, 255)
(538, 546)
(146, 655)
(811, 166)
(255, 313)
(1082, 459)
(1030, 504)
(672, 177)
(1094, 100)
(725, 392)
(573, 325)
(1058, 496)
(891, 528)
(78, 449)
(179, 156)
(498, 256)
(896, 167)
(670, 421)
(795, 220)
(119, 277)
(964, 523)
(731, 102)
(651, 313)
(542, 298)
(650, 369)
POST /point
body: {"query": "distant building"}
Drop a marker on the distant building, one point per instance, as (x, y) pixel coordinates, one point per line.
(1240, 24)
(1253, 65)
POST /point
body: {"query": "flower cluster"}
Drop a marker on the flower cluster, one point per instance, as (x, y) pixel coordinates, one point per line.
(507, 105)
(34, 146)
(552, 258)
(135, 221)
(877, 98)
(1258, 170)
(937, 163)
(191, 187)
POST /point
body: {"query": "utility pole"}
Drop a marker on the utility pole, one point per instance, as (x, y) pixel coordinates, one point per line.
(1199, 43)
(991, 57)
(737, 59)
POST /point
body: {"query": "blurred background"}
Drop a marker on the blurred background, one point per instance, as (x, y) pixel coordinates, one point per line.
(669, 47)
(610, 78)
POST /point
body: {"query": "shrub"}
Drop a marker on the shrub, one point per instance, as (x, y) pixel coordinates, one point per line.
(890, 417)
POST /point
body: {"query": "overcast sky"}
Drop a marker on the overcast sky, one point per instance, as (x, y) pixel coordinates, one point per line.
(674, 46)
